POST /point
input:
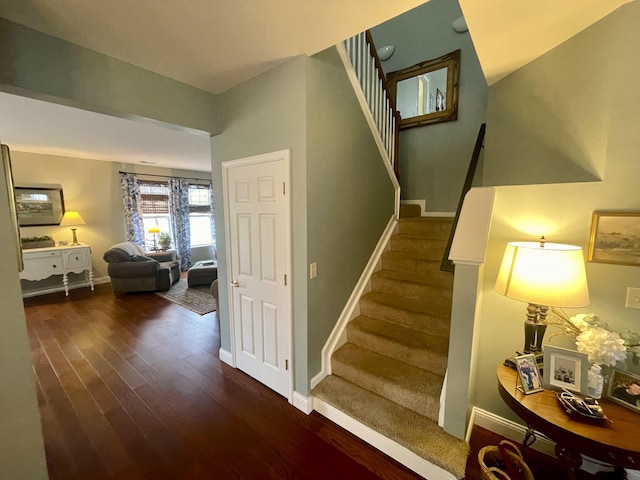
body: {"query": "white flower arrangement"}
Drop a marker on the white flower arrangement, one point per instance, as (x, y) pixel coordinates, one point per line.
(593, 337)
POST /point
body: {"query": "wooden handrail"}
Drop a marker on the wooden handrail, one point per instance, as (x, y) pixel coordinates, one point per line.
(446, 264)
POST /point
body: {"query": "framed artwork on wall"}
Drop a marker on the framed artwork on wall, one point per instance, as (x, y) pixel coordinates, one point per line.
(39, 206)
(615, 238)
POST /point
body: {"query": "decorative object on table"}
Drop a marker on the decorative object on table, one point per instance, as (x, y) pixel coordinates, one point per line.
(543, 275)
(72, 219)
(164, 240)
(155, 231)
(584, 408)
(593, 337)
(504, 460)
(624, 388)
(595, 381)
(38, 206)
(615, 238)
(37, 242)
(565, 369)
(528, 373)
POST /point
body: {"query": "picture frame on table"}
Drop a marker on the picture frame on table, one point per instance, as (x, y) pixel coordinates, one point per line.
(38, 206)
(565, 368)
(615, 237)
(624, 388)
(528, 373)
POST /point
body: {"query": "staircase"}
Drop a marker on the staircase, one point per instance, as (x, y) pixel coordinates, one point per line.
(389, 374)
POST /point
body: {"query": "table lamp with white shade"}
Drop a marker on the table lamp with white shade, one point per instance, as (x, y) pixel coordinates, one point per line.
(543, 275)
(72, 219)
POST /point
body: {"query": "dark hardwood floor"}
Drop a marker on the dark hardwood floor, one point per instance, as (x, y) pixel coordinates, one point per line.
(131, 387)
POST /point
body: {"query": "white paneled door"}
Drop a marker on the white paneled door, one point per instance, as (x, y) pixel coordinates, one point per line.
(258, 222)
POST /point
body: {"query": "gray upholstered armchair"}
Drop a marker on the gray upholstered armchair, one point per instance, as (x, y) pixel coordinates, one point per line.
(133, 270)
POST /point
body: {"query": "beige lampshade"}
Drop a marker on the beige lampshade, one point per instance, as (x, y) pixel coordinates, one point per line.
(154, 230)
(71, 218)
(553, 275)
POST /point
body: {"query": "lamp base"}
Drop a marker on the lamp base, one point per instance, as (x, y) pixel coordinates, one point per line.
(75, 239)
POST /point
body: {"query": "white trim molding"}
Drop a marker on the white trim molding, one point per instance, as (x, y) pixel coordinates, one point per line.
(226, 357)
(396, 451)
(302, 403)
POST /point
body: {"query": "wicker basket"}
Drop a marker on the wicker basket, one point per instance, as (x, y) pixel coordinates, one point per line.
(493, 467)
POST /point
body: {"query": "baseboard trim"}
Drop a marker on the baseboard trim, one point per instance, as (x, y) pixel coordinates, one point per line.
(516, 432)
(302, 403)
(101, 280)
(394, 450)
(226, 357)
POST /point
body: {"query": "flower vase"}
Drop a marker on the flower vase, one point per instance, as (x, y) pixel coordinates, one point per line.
(595, 381)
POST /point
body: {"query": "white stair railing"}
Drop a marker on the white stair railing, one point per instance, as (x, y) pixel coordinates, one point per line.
(361, 53)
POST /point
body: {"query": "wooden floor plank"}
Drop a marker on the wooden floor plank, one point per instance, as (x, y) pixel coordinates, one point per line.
(130, 387)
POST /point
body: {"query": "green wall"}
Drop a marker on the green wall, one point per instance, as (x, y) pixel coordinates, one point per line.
(562, 212)
(267, 114)
(40, 66)
(350, 198)
(434, 159)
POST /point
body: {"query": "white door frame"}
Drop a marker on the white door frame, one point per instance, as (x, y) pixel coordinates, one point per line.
(281, 155)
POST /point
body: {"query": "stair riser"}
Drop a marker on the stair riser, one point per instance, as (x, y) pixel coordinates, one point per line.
(415, 291)
(436, 323)
(420, 403)
(421, 358)
(426, 249)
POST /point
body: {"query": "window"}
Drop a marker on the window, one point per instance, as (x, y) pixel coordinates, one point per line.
(154, 198)
(200, 214)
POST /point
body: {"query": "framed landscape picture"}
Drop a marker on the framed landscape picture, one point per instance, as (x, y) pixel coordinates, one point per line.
(615, 238)
(39, 206)
(564, 368)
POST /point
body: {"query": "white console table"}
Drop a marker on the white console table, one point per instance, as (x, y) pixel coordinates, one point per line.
(41, 263)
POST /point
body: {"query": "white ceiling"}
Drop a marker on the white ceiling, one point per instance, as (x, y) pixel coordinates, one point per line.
(217, 44)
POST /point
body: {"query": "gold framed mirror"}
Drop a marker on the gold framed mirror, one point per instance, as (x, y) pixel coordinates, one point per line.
(427, 92)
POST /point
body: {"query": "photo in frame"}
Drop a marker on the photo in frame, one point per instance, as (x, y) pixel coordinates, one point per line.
(528, 373)
(38, 206)
(564, 368)
(624, 388)
(615, 238)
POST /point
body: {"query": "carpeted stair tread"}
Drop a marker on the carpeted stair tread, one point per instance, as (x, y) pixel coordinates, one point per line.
(412, 263)
(424, 247)
(409, 386)
(434, 318)
(418, 434)
(410, 346)
(426, 226)
(412, 286)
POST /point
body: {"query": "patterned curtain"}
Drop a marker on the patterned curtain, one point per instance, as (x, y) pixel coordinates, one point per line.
(132, 208)
(179, 209)
(213, 222)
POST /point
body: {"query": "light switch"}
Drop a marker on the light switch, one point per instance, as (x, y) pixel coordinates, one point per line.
(313, 270)
(633, 298)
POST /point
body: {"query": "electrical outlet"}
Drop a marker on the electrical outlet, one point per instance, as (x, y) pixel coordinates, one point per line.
(633, 298)
(313, 270)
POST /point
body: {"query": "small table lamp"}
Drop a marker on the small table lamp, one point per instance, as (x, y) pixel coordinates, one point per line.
(71, 219)
(543, 275)
(155, 231)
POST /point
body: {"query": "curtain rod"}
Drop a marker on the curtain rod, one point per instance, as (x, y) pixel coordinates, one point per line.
(166, 176)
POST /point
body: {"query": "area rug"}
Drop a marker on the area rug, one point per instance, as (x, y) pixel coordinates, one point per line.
(196, 299)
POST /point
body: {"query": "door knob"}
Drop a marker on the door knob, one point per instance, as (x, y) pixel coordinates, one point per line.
(235, 283)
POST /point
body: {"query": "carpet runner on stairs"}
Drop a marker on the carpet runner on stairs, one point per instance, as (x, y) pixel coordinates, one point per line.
(389, 374)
